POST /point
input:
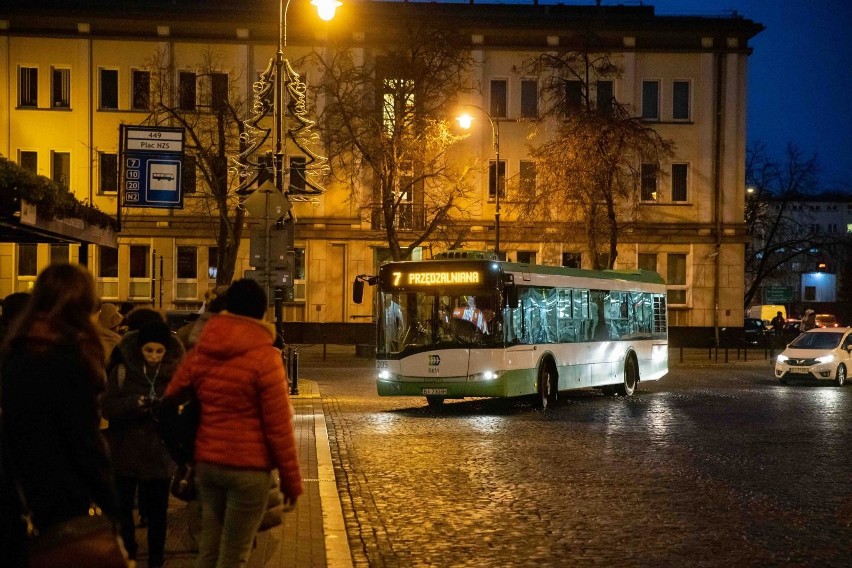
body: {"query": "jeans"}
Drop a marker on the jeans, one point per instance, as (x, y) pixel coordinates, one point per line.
(155, 493)
(233, 502)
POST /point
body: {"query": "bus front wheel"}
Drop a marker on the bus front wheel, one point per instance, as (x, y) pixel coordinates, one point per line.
(631, 377)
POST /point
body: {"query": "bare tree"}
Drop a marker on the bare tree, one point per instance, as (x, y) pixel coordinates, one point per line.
(386, 126)
(779, 235)
(207, 106)
(587, 148)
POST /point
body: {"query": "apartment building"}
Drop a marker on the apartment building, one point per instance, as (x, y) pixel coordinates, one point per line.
(72, 74)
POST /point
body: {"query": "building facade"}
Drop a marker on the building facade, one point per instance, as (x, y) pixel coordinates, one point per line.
(70, 76)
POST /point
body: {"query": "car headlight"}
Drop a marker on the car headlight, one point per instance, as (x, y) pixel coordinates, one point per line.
(782, 359)
(825, 359)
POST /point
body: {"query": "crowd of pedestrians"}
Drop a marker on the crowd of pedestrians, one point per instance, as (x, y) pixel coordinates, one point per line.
(83, 384)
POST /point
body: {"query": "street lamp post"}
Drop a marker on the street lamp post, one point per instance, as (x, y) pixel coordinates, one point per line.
(465, 121)
(325, 10)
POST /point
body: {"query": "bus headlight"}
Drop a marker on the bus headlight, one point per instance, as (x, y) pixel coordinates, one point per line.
(485, 376)
(385, 375)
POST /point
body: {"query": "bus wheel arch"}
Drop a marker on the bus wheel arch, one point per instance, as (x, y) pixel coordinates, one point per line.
(629, 377)
(547, 380)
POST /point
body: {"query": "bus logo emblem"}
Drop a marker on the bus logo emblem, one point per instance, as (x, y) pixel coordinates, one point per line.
(434, 360)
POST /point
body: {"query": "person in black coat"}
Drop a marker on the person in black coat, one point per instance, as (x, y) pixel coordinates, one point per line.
(148, 358)
(52, 370)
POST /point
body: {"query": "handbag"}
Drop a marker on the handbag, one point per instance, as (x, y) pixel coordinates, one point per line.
(88, 540)
(182, 485)
(177, 422)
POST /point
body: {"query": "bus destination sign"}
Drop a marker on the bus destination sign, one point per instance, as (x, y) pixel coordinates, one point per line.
(439, 278)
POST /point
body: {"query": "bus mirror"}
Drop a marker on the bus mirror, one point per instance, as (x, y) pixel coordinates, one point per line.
(358, 286)
(358, 291)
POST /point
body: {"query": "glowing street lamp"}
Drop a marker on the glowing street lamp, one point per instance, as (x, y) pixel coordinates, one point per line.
(466, 121)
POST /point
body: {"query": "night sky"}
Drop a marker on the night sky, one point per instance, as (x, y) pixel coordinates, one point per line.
(800, 76)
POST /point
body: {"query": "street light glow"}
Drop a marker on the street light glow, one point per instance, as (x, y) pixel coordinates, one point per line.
(465, 121)
(326, 8)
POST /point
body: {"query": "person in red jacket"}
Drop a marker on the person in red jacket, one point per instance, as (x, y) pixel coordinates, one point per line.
(246, 428)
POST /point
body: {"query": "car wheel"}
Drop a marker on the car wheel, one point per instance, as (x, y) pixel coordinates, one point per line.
(840, 376)
(631, 377)
(435, 401)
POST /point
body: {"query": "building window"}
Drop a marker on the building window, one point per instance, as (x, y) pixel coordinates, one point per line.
(651, 100)
(649, 182)
(810, 294)
(186, 272)
(680, 100)
(493, 182)
(188, 174)
(186, 90)
(299, 277)
(218, 92)
(212, 261)
(107, 172)
(28, 259)
(499, 93)
(397, 105)
(527, 176)
(61, 168)
(679, 182)
(605, 97)
(676, 278)
(572, 260)
(140, 271)
(109, 89)
(59, 253)
(297, 174)
(28, 161)
(647, 261)
(141, 90)
(28, 87)
(107, 262)
(108, 272)
(529, 98)
(526, 257)
(573, 96)
(60, 88)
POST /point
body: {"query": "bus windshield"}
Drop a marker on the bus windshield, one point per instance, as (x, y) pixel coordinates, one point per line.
(437, 319)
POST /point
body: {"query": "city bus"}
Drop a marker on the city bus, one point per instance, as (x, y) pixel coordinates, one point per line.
(465, 324)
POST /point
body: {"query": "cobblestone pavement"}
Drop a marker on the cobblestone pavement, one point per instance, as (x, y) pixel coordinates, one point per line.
(715, 465)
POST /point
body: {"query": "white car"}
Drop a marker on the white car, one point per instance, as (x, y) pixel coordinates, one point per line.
(823, 353)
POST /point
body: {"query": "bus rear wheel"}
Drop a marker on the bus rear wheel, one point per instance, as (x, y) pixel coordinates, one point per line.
(547, 386)
(631, 377)
(435, 401)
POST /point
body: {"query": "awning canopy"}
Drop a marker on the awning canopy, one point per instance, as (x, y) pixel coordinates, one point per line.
(26, 226)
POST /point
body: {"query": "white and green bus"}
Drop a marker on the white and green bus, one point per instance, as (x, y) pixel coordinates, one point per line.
(460, 326)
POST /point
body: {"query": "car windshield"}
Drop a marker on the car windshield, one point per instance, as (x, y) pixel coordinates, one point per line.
(817, 341)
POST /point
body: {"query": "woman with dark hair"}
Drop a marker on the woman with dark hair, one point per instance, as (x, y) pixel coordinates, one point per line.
(52, 375)
(246, 426)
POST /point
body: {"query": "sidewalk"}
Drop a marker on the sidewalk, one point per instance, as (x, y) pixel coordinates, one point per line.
(313, 534)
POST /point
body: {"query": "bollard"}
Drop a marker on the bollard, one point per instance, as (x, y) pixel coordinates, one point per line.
(294, 369)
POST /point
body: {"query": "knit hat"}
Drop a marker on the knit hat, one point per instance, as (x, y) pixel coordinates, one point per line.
(109, 316)
(140, 316)
(154, 332)
(246, 298)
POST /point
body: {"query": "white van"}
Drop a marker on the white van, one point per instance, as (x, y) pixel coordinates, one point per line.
(766, 312)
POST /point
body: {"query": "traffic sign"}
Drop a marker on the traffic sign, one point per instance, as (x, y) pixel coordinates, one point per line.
(778, 294)
(267, 204)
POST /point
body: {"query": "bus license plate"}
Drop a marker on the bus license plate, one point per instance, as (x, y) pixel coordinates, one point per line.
(799, 370)
(434, 391)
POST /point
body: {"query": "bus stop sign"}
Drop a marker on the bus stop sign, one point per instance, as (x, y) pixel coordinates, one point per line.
(151, 166)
